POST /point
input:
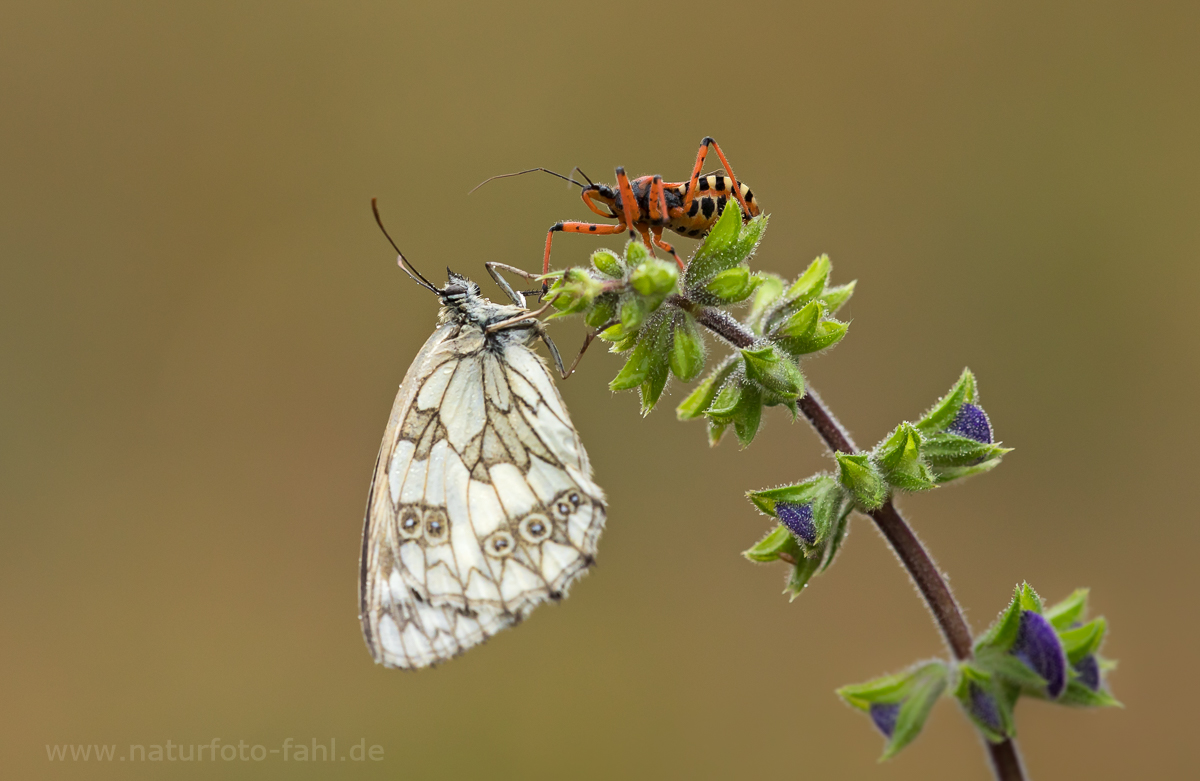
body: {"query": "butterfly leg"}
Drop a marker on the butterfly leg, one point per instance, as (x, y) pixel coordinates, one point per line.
(517, 297)
(587, 340)
(558, 364)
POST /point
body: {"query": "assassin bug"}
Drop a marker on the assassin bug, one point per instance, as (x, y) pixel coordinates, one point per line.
(647, 205)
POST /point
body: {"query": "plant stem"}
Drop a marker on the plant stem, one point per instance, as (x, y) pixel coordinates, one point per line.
(1006, 762)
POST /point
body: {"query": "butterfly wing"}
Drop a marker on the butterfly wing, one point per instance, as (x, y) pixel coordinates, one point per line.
(482, 504)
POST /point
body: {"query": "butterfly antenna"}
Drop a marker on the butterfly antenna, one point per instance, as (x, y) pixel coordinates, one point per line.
(528, 171)
(402, 261)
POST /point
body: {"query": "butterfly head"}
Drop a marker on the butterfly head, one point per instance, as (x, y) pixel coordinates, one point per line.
(458, 290)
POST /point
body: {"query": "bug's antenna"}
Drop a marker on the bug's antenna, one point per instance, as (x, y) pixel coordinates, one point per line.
(401, 260)
(581, 173)
(528, 171)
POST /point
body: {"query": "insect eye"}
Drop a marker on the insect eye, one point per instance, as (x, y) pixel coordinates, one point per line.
(535, 528)
(499, 544)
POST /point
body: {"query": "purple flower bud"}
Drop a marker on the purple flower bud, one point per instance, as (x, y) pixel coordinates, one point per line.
(799, 520)
(1038, 646)
(884, 715)
(1089, 672)
(985, 708)
(972, 422)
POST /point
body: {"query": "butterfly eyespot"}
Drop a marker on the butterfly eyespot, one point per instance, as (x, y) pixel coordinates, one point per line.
(535, 528)
(499, 544)
(410, 526)
(437, 527)
(575, 499)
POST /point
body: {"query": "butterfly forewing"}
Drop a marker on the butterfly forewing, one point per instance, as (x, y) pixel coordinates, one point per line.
(482, 504)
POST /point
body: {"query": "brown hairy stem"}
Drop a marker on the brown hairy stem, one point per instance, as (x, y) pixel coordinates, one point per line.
(1006, 762)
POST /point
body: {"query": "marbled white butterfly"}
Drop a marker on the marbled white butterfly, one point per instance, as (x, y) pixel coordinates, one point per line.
(482, 504)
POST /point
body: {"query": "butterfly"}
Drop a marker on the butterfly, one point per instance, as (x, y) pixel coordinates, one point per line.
(482, 504)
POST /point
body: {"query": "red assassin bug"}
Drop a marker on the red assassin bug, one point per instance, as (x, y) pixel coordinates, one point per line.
(647, 204)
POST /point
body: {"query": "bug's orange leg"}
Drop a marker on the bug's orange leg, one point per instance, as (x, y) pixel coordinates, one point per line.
(629, 207)
(692, 184)
(737, 190)
(658, 201)
(645, 233)
(586, 194)
(664, 245)
(575, 227)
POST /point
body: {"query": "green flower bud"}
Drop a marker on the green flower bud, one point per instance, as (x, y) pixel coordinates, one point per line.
(899, 456)
(603, 310)
(900, 704)
(654, 277)
(635, 253)
(862, 478)
(775, 371)
(634, 311)
(702, 397)
(687, 347)
(608, 264)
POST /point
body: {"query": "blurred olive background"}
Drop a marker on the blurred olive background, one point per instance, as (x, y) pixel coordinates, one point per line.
(203, 331)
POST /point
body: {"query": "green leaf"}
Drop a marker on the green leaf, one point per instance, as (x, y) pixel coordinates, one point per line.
(1009, 668)
(811, 283)
(687, 347)
(841, 526)
(1029, 598)
(715, 432)
(834, 297)
(801, 573)
(1081, 641)
(948, 473)
(658, 335)
(943, 413)
(800, 324)
(941, 448)
(766, 295)
(1070, 610)
(1003, 632)
(774, 370)
(720, 247)
(725, 405)
(749, 237)
(811, 490)
(608, 264)
(604, 310)
(1080, 696)
(825, 335)
(749, 416)
(731, 285)
(702, 397)
(779, 543)
(862, 478)
(636, 369)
